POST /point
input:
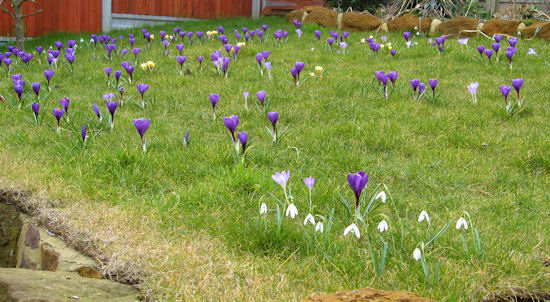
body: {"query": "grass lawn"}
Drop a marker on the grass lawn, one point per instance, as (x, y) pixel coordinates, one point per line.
(187, 220)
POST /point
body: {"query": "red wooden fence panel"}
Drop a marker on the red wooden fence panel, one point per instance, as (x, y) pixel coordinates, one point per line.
(56, 15)
(202, 9)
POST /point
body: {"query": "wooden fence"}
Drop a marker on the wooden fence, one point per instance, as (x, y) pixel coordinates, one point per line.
(56, 15)
(87, 15)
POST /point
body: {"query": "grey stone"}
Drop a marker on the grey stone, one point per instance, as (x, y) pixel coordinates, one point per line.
(32, 239)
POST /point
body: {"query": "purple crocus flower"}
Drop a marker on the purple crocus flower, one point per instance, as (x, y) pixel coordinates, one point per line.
(18, 88)
(497, 38)
(180, 47)
(136, 52)
(513, 42)
(407, 35)
(118, 73)
(7, 62)
(357, 182)
(58, 44)
(83, 133)
(221, 30)
(261, 96)
(70, 58)
(481, 49)
(265, 54)
(132, 42)
(243, 139)
(36, 88)
(112, 106)
(489, 53)
(142, 88)
(421, 88)
(510, 53)
(433, 85)
(71, 43)
(214, 99)
(330, 41)
(496, 47)
(259, 58)
(142, 125)
(64, 102)
(108, 72)
(97, 112)
(200, 58)
(317, 34)
(345, 35)
(294, 73)
(58, 113)
(244, 29)
(260, 35)
(264, 27)
(273, 118)
(505, 90)
(181, 60)
(48, 74)
(39, 49)
(393, 75)
(393, 52)
(297, 23)
(517, 84)
(124, 52)
(309, 182)
(414, 84)
(35, 109)
(231, 123)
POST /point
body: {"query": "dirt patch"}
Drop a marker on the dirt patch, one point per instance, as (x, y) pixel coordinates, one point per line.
(518, 295)
(503, 27)
(542, 33)
(454, 27)
(323, 17)
(409, 22)
(360, 22)
(368, 295)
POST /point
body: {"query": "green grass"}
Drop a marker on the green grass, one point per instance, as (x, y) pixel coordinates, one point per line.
(445, 157)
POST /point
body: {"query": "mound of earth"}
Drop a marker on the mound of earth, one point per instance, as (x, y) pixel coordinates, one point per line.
(368, 295)
(409, 22)
(542, 30)
(360, 22)
(454, 27)
(322, 16)
(504, 27)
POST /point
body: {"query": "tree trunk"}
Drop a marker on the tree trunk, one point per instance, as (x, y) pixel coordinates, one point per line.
(18, 24)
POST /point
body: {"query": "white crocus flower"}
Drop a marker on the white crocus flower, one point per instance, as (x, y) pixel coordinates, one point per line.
(309, 218)
(319, 227)
(531, 52)
(460, 223)
(417, 254)
(291, 211)
(353, 229)
(382, 196)
(424, 216)
(409, 44)
(263, 209)
(383, 226)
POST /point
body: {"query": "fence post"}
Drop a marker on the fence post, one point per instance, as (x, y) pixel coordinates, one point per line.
(106, 15)
(255, 9)
(492, 5)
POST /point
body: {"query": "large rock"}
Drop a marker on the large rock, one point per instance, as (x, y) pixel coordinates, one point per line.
(368, 295)
(17, 285)
(10, 227)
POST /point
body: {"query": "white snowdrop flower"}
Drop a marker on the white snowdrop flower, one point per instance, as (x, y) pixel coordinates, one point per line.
(319, 227)
(81, 40)
(313, 48)
(418, 33)
(383, 226)
(460, 223)
(382, 196)
(424, 216)
(291, 211)
(417, 254)
(310, 219)
(263, 209)
(353, 229)
(91, 40)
